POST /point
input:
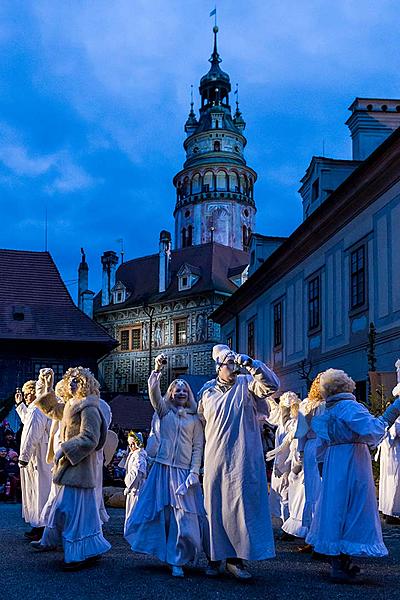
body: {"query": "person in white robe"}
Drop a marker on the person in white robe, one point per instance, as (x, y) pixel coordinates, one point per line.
(168, 519)
(310, 452)
(74, 519)
(346, 521)
(62, 395)
(135, 472)
(293, 525)
(279, 489)
(389, 474)
(34, 470)
(235, 482)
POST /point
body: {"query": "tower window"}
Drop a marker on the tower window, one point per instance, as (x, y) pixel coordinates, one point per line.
(217, 146)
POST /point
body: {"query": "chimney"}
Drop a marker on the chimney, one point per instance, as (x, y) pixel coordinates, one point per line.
(83, 278)
(372, 120)
(109, 260)
(164, 261)
(87, 303)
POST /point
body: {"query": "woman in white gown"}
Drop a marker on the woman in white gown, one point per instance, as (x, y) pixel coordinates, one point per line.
(346, 522)
(389, 478)
(135, 473)
(308, 448)
(169, 516)
(286, 420)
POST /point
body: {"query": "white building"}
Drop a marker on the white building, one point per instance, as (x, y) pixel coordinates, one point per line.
(310, 304)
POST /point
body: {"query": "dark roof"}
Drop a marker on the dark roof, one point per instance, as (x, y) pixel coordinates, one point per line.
(376, 174)
(130, 412)
(212, 261)
(35, 304)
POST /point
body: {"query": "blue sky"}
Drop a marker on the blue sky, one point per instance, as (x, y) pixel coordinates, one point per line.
(95, 93)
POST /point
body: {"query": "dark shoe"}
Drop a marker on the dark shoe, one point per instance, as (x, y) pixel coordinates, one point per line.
(75, 566)
(392, 520)
(31, 534)
(213, 568)
(36, 545)
(238, 570)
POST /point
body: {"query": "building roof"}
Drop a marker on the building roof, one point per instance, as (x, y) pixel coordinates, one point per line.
(36, 305)
(213, 263)
(376, 174)
(130, 412)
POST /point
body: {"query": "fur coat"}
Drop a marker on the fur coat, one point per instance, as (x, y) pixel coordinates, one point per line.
(83, 431)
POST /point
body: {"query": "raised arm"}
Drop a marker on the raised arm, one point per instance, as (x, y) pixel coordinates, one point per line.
(262, 382)
(156, 399)
(50, 406)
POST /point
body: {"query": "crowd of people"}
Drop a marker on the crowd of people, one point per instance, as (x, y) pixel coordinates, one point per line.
(10, 483)
(200, 483)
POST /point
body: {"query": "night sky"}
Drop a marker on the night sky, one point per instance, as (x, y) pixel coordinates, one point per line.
(95, 94)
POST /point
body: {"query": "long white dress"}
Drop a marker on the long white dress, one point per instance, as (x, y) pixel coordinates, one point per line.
(296, 496)
(36, 476)
(135, 476)
(346, 519)
(389, 479)
(309, 445)
(235, 482)
(279, 500)
(164, 522)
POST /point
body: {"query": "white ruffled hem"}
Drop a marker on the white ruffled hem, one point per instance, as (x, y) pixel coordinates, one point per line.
(76, 550)
(346, 547)
(295, 527)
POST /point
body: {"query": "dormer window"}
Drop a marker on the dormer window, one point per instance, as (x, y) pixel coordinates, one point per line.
(188, 275)
(118, 293)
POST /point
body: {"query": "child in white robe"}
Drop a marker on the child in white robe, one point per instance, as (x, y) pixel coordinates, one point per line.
(135, 473)
(346, 522)
(169, 516)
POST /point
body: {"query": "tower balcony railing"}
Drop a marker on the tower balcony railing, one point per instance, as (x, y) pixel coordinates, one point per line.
(214, 195)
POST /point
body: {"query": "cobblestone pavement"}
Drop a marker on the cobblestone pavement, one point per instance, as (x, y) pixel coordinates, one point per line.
(123, 575)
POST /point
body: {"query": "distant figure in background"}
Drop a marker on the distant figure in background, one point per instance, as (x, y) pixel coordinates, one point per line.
(35, 472)
(135, 473)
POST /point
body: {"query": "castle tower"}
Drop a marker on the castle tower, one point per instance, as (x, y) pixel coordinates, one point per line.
(214, 190)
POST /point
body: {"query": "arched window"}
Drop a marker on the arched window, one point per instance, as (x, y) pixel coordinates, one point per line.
(186, 189)
(246, 233)
(184, 237)
(208, 181)
(217, 146)
(221, 180)
(233, 182)
(196, 184)
(243, 186)
(189, 238)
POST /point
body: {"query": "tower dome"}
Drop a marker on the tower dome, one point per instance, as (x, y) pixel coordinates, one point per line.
(215, 187)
